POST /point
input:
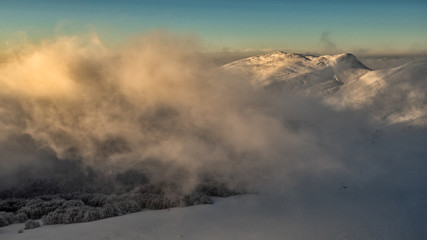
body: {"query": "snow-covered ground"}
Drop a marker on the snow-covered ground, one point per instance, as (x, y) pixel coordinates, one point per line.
(240, 217)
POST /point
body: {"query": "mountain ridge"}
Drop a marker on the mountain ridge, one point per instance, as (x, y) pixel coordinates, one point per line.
(341, 81)
(282, 66)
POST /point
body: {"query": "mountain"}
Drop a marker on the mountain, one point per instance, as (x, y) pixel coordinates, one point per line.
(342, 81)
(299, 72)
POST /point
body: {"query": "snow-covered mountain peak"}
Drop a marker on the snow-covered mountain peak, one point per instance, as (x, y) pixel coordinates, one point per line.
(345, 60)
(286, 56)
(295, 60)
(275, 59)
(282, 66)
(342, 81)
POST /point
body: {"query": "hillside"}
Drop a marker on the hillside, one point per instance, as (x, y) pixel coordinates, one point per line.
(342, 81)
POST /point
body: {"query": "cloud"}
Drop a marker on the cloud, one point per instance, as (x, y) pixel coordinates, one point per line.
(154, 98)
(328, 45)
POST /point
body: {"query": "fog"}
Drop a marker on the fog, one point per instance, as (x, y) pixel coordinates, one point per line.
(72, 109)
(154, 99)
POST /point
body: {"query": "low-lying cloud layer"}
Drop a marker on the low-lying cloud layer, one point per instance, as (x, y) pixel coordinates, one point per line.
(154, 100)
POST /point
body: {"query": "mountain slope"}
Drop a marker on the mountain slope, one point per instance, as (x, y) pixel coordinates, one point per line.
(342, 81)
(240, 217)
(395, 95)
(302, 73)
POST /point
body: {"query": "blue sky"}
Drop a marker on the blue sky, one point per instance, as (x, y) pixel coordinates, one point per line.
(364, 26)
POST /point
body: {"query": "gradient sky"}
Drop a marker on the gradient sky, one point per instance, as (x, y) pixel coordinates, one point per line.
(319, 26)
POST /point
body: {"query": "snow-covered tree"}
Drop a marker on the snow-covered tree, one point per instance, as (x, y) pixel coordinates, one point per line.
(30, 224)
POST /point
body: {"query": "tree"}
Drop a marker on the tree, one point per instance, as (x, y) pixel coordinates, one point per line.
(30, 224)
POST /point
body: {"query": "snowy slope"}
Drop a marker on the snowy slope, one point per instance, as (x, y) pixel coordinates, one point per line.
(240, 217)
(302, 73)
(395, 95)
(342, 81)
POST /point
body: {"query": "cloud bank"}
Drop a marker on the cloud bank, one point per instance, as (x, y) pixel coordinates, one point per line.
(154, 100)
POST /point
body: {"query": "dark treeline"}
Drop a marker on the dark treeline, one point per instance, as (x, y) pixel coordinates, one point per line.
(94, 196)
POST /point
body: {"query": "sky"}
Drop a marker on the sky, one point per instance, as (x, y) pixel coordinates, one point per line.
(223, 25)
